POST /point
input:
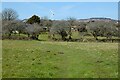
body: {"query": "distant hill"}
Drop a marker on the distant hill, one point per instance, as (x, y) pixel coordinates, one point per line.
(97, 19)
(90, 19)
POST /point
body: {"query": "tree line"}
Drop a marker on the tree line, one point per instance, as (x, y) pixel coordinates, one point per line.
(35, 25)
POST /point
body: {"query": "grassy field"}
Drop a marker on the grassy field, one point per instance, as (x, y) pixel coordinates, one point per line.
(59, 59)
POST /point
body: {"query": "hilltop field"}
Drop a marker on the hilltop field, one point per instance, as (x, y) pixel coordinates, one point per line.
(59, 59)
(59, 40)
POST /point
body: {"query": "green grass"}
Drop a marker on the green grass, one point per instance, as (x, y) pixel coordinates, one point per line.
(59, 59)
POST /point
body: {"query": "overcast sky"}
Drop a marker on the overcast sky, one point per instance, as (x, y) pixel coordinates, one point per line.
(63, 10)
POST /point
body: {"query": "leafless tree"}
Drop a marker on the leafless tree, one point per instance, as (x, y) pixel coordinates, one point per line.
(72, 22)
(60, 27)
(9, 14)
(46, 23)
(8, 27)
(82, 29)
(33, 30)
(21, 27)
(101, 28)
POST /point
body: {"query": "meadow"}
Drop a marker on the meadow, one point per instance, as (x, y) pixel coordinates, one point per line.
(53, 59)
(43, 46)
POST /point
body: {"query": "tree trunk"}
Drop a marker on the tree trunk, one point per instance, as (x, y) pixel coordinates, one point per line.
(63, 38)
(95, 36)
(37, 36)
(9, 35)
(28, 35)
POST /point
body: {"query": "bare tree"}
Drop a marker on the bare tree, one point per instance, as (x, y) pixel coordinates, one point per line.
(82, 29)
(72, 22)
(110, 30)
(46, 23)
(9, 14)
(60, 27)
(33, 30)
(8, 27)
(21, 27)
(101, 28)
(95, 28)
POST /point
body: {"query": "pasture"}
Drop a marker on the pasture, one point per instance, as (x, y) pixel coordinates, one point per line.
(64, 46)
(50, 59)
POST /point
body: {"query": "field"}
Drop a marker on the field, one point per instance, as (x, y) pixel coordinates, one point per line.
(49, 59)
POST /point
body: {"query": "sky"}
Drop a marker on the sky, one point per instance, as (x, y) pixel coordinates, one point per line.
(64, 10)
(60, 0)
